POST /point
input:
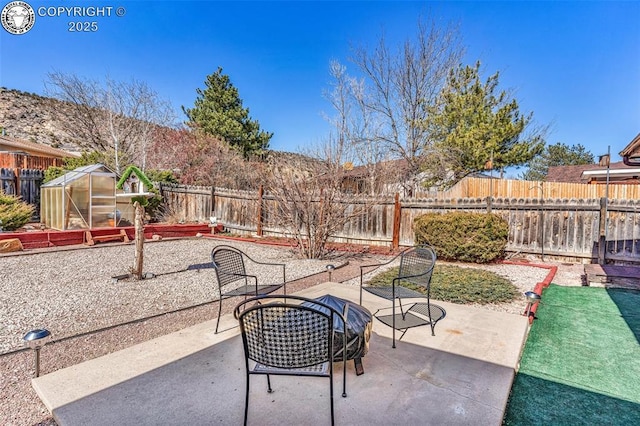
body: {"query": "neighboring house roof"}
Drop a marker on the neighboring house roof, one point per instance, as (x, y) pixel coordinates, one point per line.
(583, 172)
(631, 153)
(399, 165)
(17, 145)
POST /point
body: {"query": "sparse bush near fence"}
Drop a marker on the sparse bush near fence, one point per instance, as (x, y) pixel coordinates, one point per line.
(462, 236)
(14, 212)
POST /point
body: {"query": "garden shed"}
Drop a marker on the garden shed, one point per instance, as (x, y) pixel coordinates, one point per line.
(83, 198)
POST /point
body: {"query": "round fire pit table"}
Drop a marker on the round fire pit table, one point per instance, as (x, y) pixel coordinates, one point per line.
(358, 329)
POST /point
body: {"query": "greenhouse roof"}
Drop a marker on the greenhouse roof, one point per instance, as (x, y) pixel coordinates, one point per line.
(78, 173)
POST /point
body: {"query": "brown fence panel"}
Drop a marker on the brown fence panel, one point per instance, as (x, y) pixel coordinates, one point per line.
(185, 203)
(30, 181)
(7, 181)
(561, 227)
(238, 210)
(512, 188)
(623, 230)
(374, 226)
(25, 184)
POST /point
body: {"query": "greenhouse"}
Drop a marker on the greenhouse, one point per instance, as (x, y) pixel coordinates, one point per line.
(84, 198)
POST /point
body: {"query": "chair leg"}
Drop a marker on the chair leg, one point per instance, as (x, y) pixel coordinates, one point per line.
(402, 311)
(269, 384)
(393, 319)
(246, 402)
(331, 395)
(219, 312)
(431, 322)
(344, 377)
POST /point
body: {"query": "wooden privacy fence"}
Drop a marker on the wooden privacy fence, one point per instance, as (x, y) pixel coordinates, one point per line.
(511, 188)
(236, 209)
(24, 183)
(187, 203)
(564, 228)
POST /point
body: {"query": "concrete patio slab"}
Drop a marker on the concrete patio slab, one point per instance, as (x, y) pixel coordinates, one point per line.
(461, 375)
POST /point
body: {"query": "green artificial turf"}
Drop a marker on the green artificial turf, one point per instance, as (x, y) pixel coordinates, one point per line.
(581, 362)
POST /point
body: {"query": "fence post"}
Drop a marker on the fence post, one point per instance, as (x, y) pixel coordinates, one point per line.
(213, 201)
(395, 242)
(260, 195)
(602, 231)
(16, 180)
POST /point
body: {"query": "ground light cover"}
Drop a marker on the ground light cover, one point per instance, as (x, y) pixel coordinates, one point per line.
(581, 362)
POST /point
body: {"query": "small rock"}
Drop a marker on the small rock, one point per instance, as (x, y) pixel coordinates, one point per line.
(10, 245)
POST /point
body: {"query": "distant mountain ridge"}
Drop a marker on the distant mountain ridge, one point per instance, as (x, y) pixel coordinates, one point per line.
(30, 117)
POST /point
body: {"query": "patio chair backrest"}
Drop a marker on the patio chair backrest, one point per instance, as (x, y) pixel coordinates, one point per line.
(416, 265)
(228, 263)
(286, 336)
(289, 335)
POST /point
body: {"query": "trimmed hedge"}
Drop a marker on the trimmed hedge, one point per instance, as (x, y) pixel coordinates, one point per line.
(462, 236)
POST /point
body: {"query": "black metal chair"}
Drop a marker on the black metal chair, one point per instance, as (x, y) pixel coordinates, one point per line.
(283, 337)
(233, 280)
(413, 281)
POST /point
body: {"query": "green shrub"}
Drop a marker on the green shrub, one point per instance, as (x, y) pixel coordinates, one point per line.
(53, 172)
(165, 176)
(72, 163)
(454, 284)
(14, 213)
(461, 236)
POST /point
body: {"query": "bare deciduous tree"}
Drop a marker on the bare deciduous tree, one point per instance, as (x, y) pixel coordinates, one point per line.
(307, 201)
(114, 118)
(307, 190)
(402, 86)
(354, 123)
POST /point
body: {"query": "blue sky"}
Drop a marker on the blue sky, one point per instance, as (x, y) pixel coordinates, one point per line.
(575, 65)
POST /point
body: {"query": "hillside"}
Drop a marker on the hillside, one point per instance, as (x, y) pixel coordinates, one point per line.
(32, 117)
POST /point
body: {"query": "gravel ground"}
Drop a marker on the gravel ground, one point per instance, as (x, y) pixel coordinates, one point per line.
(73, 291)
(73, 294)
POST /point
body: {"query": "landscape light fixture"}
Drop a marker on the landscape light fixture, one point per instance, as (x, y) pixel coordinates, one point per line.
(330, 269)
(36, 339)
(532, 297)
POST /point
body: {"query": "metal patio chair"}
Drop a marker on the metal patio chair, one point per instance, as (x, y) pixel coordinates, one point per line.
(233, 280)
(414, 274)
(282, 336)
